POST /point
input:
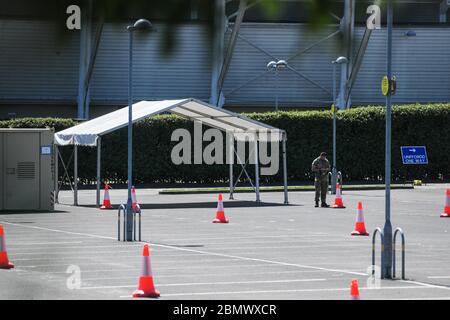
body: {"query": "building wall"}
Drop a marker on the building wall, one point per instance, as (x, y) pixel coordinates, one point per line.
(184, 73)
(421, 64)
(37, 64)
(39, 67)
(273, 42)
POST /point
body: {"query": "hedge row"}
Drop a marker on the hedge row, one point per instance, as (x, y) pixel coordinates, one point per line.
(360, 151)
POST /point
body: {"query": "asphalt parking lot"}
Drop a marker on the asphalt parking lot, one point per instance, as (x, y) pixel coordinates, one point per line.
(268, 251)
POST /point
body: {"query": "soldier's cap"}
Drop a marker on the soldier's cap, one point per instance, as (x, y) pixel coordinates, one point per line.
(323, 154)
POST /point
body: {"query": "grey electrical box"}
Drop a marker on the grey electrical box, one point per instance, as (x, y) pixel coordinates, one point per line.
(27, 169)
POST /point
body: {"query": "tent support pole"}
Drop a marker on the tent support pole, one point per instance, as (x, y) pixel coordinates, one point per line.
(99, 161)
(231, 167)
(75, 176)
(286, 199)
(56, 173)
(258, 199)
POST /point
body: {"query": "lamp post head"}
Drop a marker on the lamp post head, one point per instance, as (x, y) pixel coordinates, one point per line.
(275, 65)
(143, 25)
(271, 65)
(281, 64)
(340, 60)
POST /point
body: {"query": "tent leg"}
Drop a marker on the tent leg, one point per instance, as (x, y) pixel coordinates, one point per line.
(286, 199)
(75, 176)
(231, 167)
(56, 174)
(231, 182)
(258, 199)
(99, 161)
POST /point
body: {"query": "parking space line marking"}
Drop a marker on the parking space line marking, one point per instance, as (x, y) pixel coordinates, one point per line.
(41, 243)
(86, 250)
(261, 260)
(198, 251)
(203, 252)
(138, 268)
(207, 275)
(424, 285)
(438, 298)
(61, 231)
(86, 246)
(279, 291)
(252, 237)
(439, 277)
(94, 252)
(68, 258)
(427, 285)
(208, 283)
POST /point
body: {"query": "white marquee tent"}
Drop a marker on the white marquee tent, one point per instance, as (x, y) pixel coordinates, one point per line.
(89, 133)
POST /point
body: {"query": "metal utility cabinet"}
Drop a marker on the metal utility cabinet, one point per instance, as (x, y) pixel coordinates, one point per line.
(27, 169)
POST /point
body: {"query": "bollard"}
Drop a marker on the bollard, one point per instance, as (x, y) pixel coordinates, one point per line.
(397, 231)
(377, 230)
(121, 209)
(394, 241)
(136, 214)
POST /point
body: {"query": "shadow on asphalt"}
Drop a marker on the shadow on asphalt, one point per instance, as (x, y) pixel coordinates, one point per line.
(193, 205)
(6, 213)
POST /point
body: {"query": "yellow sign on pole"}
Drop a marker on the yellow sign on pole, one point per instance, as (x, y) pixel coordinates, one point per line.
(385, 86)
(332, 108)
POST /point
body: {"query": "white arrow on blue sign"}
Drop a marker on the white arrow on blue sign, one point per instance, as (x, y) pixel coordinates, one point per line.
(414, 155)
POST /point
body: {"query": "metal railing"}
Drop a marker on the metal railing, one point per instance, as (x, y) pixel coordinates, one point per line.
(122, 209)
(394, 242)
(377, 231)
(136, 213)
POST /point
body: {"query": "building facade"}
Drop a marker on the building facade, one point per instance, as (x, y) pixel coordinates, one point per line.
(42, 67)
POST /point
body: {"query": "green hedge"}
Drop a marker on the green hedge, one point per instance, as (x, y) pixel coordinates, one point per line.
(361, 145)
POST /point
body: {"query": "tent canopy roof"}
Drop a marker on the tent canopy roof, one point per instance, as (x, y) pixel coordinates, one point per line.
(87, 133)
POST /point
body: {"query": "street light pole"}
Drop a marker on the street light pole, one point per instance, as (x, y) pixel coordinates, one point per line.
(333, 170)
(276, 65)
(340, 61)
(387, 267)
(276, 89)
(129, 213)
(141, 24)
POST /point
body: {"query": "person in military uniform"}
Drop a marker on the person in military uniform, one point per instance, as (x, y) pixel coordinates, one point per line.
(321, 168)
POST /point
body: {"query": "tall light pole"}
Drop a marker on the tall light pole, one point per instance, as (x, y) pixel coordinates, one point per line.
(387, 267)
(341, 61)
(276, 65)
(141, 25)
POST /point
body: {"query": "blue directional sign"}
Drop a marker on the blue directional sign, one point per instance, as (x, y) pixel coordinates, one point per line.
(414, 155)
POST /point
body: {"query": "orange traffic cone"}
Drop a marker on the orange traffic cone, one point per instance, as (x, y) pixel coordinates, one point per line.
(360, 228)
(446, 213)
(4, 261)
(354, 290)
(146, 287)
(133, 198)
(338, 204)
(220, 215)
(106, 200)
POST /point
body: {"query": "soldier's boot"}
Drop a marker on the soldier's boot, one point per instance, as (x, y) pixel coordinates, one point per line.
(317, 204)
(325, 205)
